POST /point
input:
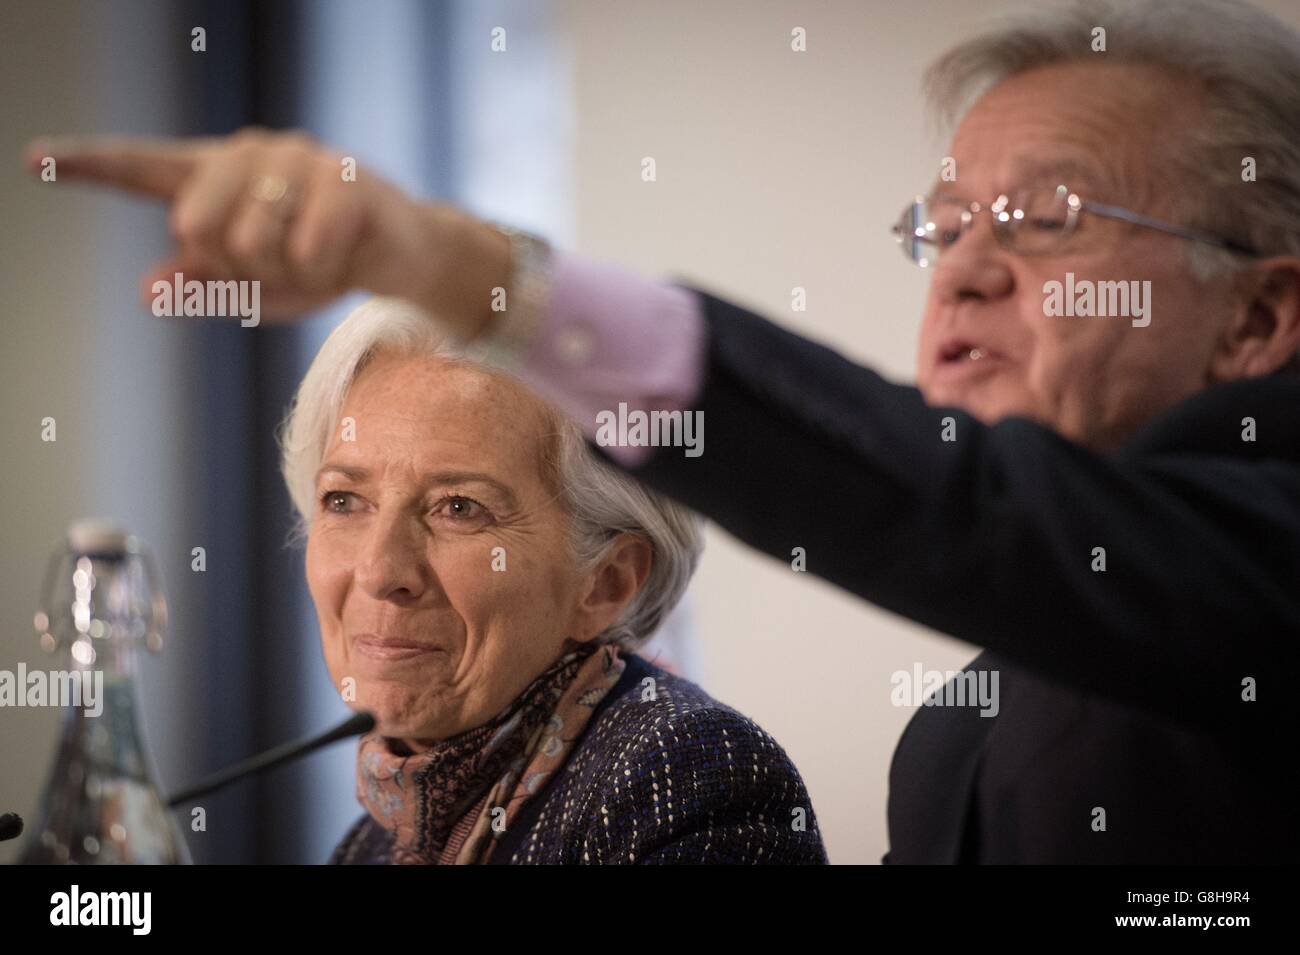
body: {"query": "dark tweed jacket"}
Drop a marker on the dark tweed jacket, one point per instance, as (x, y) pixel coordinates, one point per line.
(680, 778)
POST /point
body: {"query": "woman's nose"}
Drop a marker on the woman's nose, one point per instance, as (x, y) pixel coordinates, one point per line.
(390, 563)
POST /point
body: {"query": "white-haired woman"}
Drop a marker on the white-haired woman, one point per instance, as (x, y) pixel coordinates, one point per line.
(481, 581)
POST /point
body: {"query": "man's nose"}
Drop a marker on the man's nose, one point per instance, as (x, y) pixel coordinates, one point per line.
(973, 267)
(391, 562)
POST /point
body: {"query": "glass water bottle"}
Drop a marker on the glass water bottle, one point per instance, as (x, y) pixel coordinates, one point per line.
(101, 601)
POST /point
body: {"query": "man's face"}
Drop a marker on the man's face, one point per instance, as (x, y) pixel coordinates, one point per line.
(1100, 130)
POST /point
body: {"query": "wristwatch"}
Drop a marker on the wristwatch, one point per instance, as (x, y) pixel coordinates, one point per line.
(527, 293)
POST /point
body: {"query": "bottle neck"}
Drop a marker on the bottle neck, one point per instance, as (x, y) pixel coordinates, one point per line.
(103, 732)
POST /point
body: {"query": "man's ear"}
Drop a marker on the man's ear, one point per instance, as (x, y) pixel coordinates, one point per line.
(1264, 332)
(612, 585)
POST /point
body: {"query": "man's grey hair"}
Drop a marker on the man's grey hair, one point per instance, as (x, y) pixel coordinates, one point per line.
(600, 501)
(1248, 64)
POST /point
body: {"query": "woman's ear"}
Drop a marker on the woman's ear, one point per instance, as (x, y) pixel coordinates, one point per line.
(612, 584)
(1264, 332)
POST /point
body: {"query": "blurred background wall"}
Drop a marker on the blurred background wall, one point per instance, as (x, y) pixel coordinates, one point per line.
(775, 169)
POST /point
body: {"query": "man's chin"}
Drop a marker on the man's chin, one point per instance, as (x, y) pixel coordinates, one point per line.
(979, 403)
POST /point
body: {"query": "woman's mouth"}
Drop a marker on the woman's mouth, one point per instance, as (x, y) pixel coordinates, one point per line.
(390, 648)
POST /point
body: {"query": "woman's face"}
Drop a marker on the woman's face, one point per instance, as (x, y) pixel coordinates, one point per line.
(437, 557)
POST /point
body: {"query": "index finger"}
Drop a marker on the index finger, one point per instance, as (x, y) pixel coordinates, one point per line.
(154, 167)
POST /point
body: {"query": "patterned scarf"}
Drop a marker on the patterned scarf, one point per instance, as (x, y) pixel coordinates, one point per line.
(450, 803)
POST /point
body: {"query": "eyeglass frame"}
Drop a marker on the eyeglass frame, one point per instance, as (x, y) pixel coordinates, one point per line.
(1074, 206)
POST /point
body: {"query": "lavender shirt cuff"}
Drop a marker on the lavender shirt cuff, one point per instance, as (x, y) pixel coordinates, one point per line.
(609, 337)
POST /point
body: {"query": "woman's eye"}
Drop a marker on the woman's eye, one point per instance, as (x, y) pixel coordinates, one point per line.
(336, 501)
(462, 509)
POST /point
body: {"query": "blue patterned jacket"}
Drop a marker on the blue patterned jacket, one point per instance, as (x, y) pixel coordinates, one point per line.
(664, 774)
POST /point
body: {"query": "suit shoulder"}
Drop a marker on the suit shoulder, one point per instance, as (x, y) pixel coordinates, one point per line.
(657, 708)
(664, 726)
(672, 775)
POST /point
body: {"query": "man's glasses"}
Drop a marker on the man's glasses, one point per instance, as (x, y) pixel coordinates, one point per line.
(1038, 222)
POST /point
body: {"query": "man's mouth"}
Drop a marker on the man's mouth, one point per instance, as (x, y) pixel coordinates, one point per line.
(960, 357)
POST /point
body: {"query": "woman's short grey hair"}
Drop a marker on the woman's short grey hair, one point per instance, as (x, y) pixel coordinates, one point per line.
(1248, 63)
(601, 502)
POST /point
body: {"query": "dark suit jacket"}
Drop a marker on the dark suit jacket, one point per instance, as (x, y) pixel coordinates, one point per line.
(1121, 692)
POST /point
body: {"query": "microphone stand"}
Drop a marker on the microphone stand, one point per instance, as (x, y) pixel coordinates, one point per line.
(355, 725)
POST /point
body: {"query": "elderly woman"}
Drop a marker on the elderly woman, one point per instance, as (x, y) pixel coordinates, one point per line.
(482, 583)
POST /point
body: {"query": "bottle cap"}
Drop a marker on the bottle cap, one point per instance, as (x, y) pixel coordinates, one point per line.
(94, 535)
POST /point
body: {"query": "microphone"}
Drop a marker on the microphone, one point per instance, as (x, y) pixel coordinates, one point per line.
(355, 725)
(11, 826)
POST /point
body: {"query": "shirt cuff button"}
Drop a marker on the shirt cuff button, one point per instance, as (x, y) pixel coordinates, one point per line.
(575, 345)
